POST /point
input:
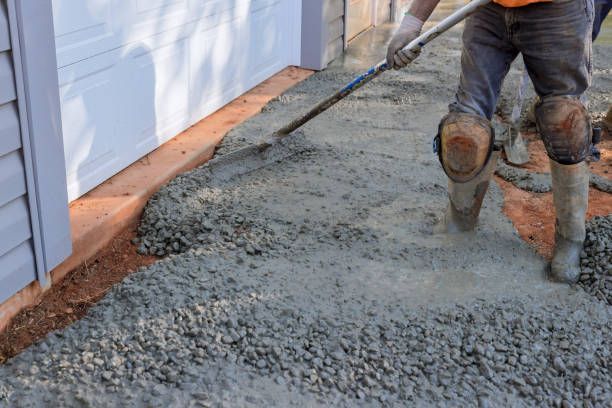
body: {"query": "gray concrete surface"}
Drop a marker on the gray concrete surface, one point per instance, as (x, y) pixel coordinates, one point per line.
(318, 280)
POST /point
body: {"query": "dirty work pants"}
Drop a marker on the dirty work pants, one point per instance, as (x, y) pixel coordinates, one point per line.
(554, 39)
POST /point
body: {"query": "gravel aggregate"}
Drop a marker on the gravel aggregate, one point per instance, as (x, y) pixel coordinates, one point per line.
(318, 281)
(596, 259)
(228, 334)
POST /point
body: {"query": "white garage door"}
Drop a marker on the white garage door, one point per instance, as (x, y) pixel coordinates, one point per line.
(134, 73)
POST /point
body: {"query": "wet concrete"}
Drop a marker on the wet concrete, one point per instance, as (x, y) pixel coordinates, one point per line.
(319, 280)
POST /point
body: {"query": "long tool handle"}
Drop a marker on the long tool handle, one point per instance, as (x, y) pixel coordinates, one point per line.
(416, 45)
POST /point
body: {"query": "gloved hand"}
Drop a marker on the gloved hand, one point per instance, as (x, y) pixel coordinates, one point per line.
(409, 29)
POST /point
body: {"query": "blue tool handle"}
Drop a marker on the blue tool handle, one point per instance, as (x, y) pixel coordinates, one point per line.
(366, 77)
(324, 105)
(415, 46)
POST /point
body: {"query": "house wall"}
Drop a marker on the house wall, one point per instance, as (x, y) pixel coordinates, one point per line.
(333, 18)
(324, 27)
(17, 259)
(34, 226)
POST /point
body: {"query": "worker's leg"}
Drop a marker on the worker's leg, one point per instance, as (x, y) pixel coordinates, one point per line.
(555, 39)
(485, 60)
(465, 137)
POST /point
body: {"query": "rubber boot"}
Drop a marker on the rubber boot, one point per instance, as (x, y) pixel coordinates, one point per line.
(571, 197)
(465, 200)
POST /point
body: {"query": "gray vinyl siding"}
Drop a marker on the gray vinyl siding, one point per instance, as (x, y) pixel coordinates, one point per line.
(335, 30)
(7, 78)
(43, 146)
(12, 179)
(9, 129)
(322, 32)
(17, 259)
(5, 39)
(324, 29)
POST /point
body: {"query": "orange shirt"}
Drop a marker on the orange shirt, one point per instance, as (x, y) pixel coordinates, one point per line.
(517, 3)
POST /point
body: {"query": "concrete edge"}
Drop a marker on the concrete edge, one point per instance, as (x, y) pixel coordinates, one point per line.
(98, 216)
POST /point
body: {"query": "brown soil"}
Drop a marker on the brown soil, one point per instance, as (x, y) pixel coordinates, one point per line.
(533, 213)
(69, 300)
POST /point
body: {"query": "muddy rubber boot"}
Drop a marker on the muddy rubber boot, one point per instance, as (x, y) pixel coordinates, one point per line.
(465, 200)
(571, 197)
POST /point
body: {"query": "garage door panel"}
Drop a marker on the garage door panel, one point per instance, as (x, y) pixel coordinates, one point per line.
(161, 15)
(139, 113)
(155, 17)
(82, 28)
(161, 90)
(217, 14)
(83, 16)
(267, 37)
(214, 71)
(88, 106)
(169, 64)
(206, 8)
(160, 6)
(261, 4)
(171, 80)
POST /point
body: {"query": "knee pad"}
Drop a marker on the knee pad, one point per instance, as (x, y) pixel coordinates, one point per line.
(565, 127)
(464, 145)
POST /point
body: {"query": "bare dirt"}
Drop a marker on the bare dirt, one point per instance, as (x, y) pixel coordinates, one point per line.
(532, 214)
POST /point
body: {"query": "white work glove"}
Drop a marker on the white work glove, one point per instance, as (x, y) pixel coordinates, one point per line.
(409, 29)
